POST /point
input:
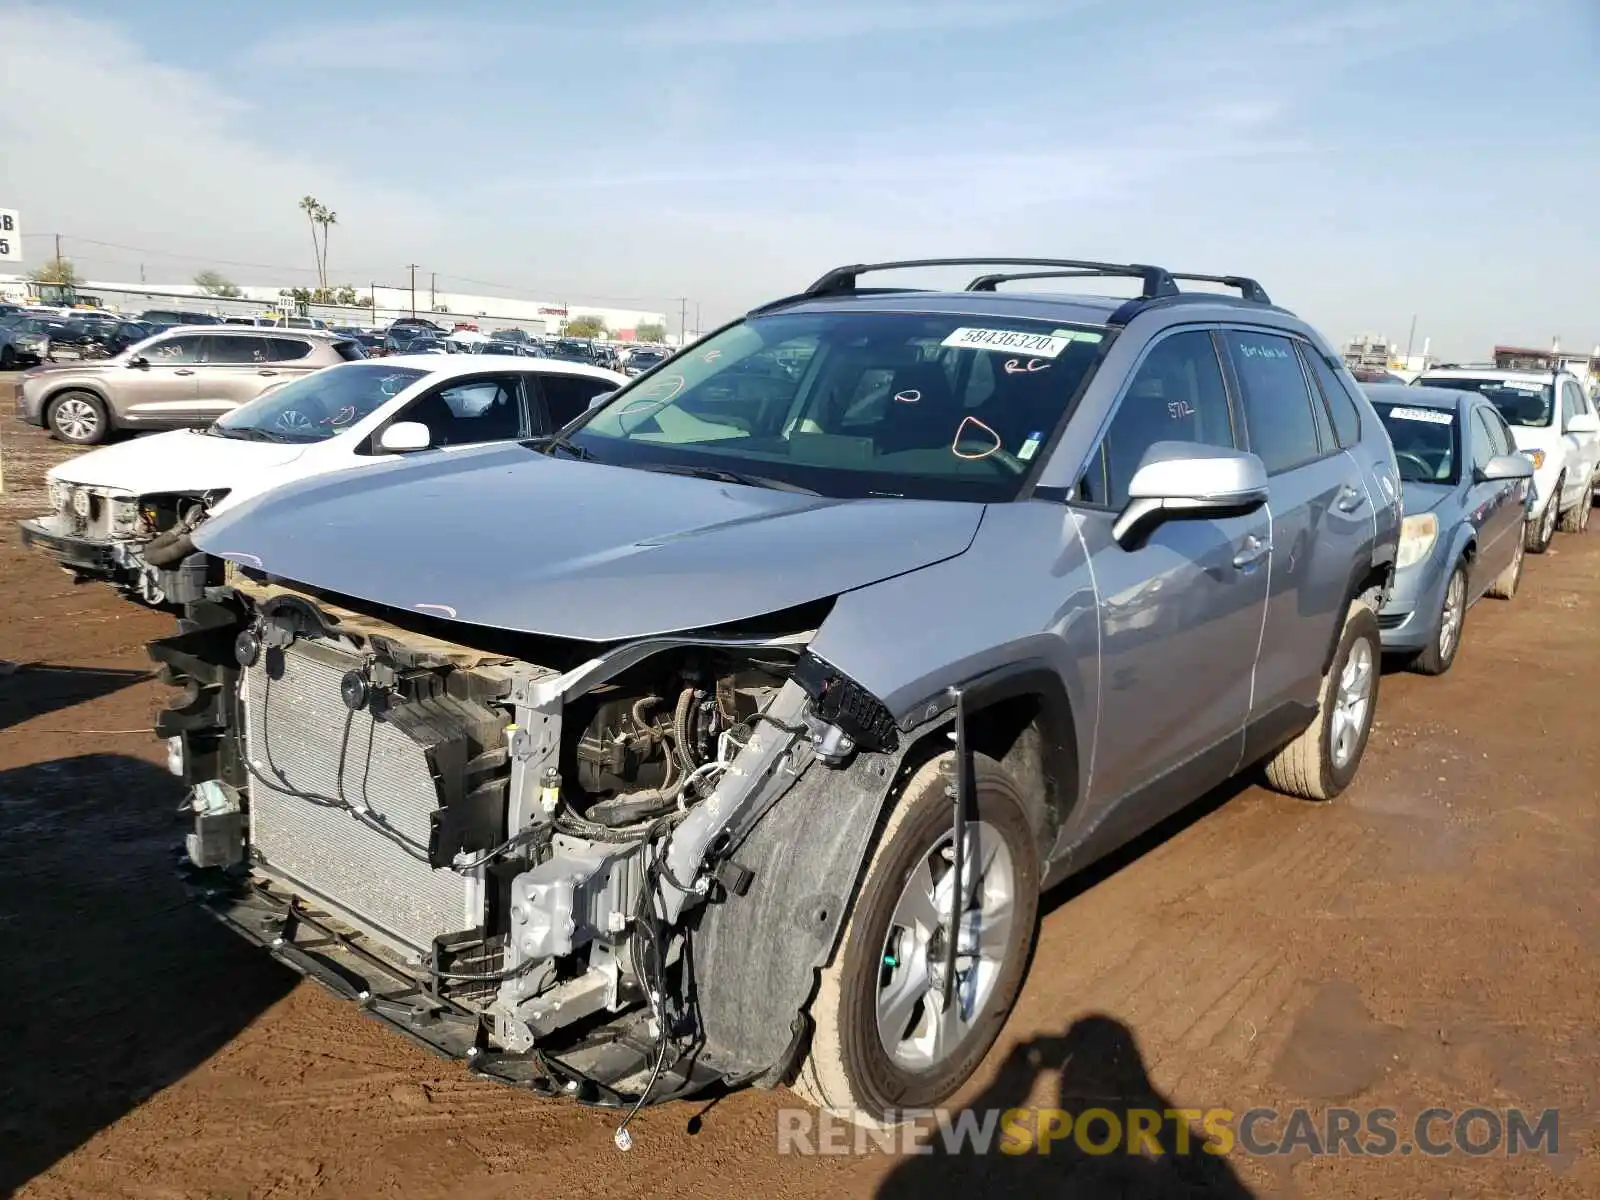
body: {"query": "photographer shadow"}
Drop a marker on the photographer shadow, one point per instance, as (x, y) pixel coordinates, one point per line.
(1099, 1067)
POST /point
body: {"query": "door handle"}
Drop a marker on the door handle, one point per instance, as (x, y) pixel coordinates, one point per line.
(1254, 551)
(266, 372)
(1349, 499)
(183, 371)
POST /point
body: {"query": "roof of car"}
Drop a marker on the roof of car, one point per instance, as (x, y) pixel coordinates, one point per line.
(259, 331)
(472, 364)
(1416, 396)
(1490, 372)
(1048, 306)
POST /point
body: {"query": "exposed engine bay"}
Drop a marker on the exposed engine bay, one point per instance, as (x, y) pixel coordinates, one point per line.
(499, 848)
(142, 544)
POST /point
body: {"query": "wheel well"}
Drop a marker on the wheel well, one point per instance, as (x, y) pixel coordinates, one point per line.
(1033, 738)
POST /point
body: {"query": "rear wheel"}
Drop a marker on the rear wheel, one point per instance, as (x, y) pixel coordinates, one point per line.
(1321, 762)
(79, 418)
(884, 1038)
(1439, 656)
(1541, 530)
(8, 358)
(1506, 583)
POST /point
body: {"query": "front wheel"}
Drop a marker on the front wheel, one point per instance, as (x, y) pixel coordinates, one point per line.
(1321, 762)
(1576, 518)
(1506, 583)
(1441, 652)
(885, 1037)
(1540, 531)
(79, 418)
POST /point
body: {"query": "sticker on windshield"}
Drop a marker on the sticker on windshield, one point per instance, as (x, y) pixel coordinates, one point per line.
(1430, 415)
(1039, 345)
(1030, 447)
(1079, 335)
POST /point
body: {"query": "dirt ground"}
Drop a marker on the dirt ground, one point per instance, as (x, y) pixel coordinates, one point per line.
(1430, 940)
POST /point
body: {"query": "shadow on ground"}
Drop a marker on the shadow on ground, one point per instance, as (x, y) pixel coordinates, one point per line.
(1098, 1066)
(115, 985)
(33, 689)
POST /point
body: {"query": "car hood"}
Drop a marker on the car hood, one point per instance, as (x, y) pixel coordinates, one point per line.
(184, 460)
(1417, 498)
(1530, 437)
(513, 539)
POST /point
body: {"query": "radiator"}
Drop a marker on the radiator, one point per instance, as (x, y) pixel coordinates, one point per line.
(295, 727)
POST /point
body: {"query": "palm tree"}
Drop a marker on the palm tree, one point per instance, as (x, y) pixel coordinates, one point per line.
(309, 206)
(325, 218)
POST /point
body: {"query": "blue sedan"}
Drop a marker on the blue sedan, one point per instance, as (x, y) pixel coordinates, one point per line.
(1465, 493)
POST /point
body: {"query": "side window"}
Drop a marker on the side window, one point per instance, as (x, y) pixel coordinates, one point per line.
(185, 349)
(1277, 406)
(1176, 395)
(233, 349)
(286, 349)
(1341, 405)
(1571, 402)
(1499, 432)
(1483, 441)
(566, 396)
(486, 408)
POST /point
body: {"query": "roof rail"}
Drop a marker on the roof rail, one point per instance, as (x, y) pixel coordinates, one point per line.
(1157, 281)
(1249, 289)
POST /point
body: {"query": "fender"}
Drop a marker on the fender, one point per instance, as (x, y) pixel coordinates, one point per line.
(93, 386)
(756, 956)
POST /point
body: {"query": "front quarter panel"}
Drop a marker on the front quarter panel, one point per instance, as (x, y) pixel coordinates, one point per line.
(1021, 594)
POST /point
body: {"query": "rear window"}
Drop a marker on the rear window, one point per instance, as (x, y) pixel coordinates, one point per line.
(1527, 403)
(287, 349)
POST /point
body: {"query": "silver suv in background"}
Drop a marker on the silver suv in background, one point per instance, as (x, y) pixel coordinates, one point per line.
(867, 618)
(188, 376)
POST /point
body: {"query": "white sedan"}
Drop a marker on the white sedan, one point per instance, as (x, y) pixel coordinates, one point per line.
(125, 512)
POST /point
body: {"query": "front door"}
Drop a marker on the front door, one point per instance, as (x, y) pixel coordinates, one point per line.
(1180, 615)
(1497, 505)
(160, 390)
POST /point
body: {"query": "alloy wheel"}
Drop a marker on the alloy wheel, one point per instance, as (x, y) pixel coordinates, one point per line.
(1455, 604)
(76, 420)
(1352, 703)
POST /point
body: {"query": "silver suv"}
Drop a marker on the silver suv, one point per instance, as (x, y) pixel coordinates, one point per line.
(871, 615)
(188, 376)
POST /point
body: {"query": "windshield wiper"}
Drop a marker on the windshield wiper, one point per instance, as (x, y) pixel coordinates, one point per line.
(248, 433)
(725, 476)
(555, 441)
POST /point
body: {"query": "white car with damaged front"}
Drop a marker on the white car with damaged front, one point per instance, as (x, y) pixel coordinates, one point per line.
(125, 513)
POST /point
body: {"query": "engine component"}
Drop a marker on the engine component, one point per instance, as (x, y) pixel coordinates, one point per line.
(580, 893)
(218, 837)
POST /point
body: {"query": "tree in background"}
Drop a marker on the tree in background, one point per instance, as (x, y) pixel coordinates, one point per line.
(57, 270)
(309, 206)
(214, 283)
(650, 331)
(347, 295)
(325, 218)
(586, 325)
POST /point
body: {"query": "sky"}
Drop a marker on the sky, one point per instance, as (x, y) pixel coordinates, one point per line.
(1370, 161)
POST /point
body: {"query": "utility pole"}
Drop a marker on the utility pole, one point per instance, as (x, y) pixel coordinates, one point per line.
(58, 254)
(141, 272)
(697, 318)
(683, 321)
(412, 267)
(372, 295)
(433, 291)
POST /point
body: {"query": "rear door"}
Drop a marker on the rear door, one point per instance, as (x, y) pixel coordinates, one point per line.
(1321, 519)
(236, 367)
(1501, 502)
(1585, 446)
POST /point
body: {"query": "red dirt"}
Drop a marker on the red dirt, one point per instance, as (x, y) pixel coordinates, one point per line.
(1428, 940)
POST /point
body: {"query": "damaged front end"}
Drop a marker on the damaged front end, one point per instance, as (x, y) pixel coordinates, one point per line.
(141, 544)
(509, 850)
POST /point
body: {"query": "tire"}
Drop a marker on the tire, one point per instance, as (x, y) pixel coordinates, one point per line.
(850, 1069)
(78, 418)
(1451, 623)
(8, 358)
(1506, 583)
(1576, 518)
(1308, 767)
(1540, 532)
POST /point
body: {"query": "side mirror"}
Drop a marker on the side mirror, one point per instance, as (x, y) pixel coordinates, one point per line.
(1507, 466)
(602, 398)
(405, 437)
(1584, 423)
(1186, 479)
(139, 360)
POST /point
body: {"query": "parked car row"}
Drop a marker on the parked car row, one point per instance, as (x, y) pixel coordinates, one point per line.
(727, 728)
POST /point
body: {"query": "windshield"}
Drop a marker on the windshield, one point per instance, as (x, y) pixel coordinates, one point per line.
(855, 404)
(644, 360)
(319, 406)
(1426, 442)
(1521, 402)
